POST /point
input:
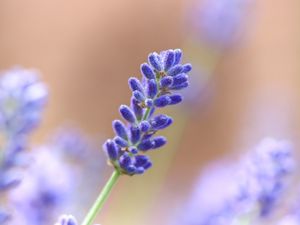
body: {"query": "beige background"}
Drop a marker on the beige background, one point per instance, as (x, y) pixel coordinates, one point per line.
(86, 50)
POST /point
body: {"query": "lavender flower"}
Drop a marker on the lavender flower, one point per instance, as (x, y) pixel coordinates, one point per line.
(4, 217)
(210, 204)
(56, 168)
(162, 75)
(46, 187)
(220, 20)
(266, 173)
(257, 184)
(22, 99)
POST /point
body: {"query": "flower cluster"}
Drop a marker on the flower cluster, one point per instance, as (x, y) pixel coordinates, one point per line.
(266, 173)
(22, 99)
(253, 188)
(42, 195)
(162, 75)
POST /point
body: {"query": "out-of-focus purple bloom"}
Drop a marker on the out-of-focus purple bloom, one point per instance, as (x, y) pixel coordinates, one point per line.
(266, 172)
(46, 187)
(219, 21)
(214, 197)
(289, 220)
(22, 100)
(4, 217)
(55, 179)
(66, 220)
(162, 75)
(254, 185)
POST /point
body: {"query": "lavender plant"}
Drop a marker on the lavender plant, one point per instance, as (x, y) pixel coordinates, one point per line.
(162, 76)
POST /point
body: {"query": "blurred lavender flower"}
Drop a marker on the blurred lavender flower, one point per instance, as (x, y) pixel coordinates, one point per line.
(66, 220)
(214, 197)
(45, 188)
(162, 75)
(220, 20)
(22, 99)
(266, 173)
(55, 179)
(254, 187)
(4, 216)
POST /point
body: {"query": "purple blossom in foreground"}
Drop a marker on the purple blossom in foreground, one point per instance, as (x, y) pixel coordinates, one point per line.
(22, 100)
(256, 185)
(46, 187)
(219, 21)
(66, 220)
(55, 178)
(162, 76)
(4, 217)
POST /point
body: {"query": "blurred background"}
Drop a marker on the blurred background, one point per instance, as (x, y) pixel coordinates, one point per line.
(244, 89)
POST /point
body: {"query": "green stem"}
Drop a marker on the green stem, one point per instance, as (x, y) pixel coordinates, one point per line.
(146, 115)
(97, 206)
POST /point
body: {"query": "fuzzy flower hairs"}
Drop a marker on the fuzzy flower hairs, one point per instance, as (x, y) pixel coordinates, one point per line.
(163, 75)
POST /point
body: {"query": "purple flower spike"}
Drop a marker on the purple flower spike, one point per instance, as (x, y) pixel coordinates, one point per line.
(162, 75)
(254, 186)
